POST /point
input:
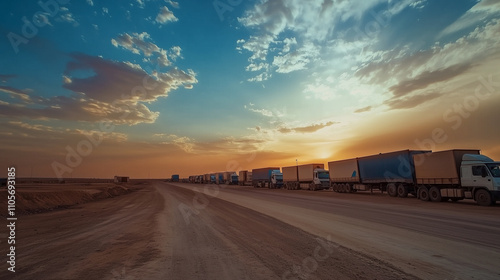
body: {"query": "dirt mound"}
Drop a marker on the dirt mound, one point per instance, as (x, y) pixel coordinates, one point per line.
(34, 201)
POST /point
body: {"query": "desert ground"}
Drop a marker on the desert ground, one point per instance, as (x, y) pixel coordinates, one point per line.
(159, 230)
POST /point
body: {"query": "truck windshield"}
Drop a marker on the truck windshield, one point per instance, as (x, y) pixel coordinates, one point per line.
(495, 169)
(323, 175)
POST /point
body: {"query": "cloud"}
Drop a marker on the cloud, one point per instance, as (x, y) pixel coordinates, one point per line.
(141, 4)
(67, 16)
(16, 93)
(140, 43)
(116, 92)
(264, 112)
(294, 35)
(90, 2)
(43, 17)
(5, 77)
(481, 12)
(408, 102)
(414, 78)
(165, 15)
(261, 77)
(428, 78)
(364, 109)
(306, 129)
(296, 60)
(173, 3)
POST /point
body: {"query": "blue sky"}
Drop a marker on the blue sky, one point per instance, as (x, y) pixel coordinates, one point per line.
(213, 82)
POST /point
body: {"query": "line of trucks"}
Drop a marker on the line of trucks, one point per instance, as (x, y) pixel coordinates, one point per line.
(430, 176)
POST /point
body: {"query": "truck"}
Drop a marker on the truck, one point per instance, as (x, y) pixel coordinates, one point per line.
(457, 174)
(175, 178)
(393, 172)
(244, 178)
(270, 177)
(230, 178)
(307, 176)
(212, 178)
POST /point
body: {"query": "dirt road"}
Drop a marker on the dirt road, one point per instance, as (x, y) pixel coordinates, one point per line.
(184, 231)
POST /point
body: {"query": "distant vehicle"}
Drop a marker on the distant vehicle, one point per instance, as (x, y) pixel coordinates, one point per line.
(213, 178)
(245, 178)
(206, 179)
(230, 178)
(308, 176)
(175, 178)
(270, 177)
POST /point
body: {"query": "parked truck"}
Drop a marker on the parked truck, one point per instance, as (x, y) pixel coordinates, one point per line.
(457, 174)
(175, 178)
(245, 178)
(308, 176)
(270, 177)
(219, 178)
(230, 178)
(392, 172)
(212, 178)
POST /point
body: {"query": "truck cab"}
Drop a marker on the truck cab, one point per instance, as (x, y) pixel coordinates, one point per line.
(480, 176)
(234, 179)
(321, 178)
(276, 179)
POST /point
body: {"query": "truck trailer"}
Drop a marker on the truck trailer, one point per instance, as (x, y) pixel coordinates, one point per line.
(270, 177)
(245, 178)
(392, 172)
(308, 176)
(175, 178)
(455, 175)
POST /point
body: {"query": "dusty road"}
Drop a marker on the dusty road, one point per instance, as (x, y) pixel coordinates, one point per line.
(184, 231)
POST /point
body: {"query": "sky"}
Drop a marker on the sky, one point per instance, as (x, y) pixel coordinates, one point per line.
(149, 88)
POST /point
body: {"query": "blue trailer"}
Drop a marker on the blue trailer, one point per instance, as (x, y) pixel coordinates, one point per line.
(392, 172)
(270, 177)
(175, 178)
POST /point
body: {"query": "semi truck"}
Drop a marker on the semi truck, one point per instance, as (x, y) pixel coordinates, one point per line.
(307, 176)
(175, 178)
(245, 178)
(219, 178)
(270, 177)
(455, 175)
(393, 172)
(230, 178)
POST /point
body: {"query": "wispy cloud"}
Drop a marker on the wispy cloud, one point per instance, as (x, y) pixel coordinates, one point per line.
(165, 15)
(141, 43)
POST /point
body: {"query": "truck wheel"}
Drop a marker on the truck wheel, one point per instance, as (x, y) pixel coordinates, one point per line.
(402, 191)
(435, 195)
(483, 197)
(423, 194)
(392, 190)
